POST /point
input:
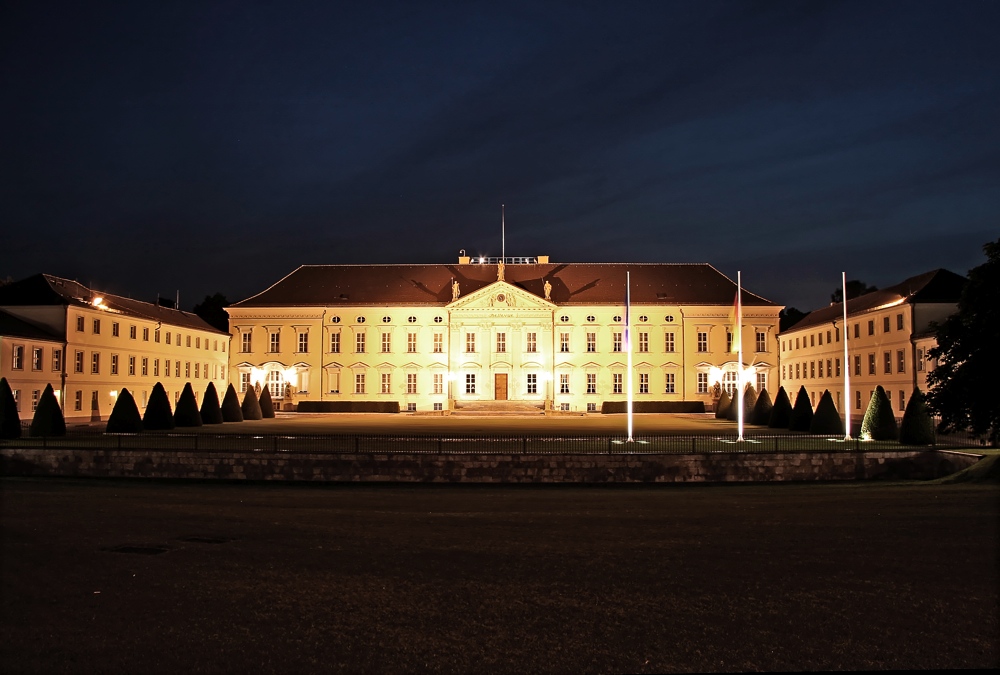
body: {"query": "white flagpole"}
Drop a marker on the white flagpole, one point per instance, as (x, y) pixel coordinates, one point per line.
(739, 336)
(628, 347)
(847, 366)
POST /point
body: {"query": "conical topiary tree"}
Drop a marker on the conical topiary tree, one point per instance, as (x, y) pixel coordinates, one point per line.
(266, 404)
(48, 419)
(187, 414)
(879, 423)
(125, 417)
(10, 421)
(917, 427)
(749, 401)
(722, 407)
(211, 413)
(802, 412)
(734, 406)
(762, 409)
(251, 406)
(158, 415)
(826, 419)
(781, 413)
(231, 411)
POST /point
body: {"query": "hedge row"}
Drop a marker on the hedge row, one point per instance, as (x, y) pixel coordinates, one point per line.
(125, 417)
(618, 407)
(349, 406)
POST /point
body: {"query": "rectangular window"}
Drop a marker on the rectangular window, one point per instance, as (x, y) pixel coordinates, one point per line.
(729, 341)
(501, 343)
(885, 324)
(145, 367)
(131, 365)
(156, 335)
(95, 363)
(78, 401)
(386, 383)
(920, 360)
(438, 383)
(411, 407)
(836, 334)
(359, 383)
(591, 342)
(616, 383)
(177, 368)
(439, 406)
(79, 325)
(828, 340)
(532, 383)
(812, 340)
(591, 383)
(359, 343)
(470, 383)
(187, 340)
(591, 407)
(564, 343)
(812, 369)
(168, 340)
(887, 362)
(197, 369)
(703, 345)
(871, 363)
(829, 368)
(36, 358)
(411, 343)
(187, 369)
(114, 329)
(669, 387)
(837, 364)
(643, 383)
(901, 361)
(131, 333)
(761, 382)
(857, 364)
(532, 343)
(563, 383)
(899, 322)
(303, 343)
(57, 360)
(97, 326)
(702, 383)
(145, 334)
(386, 343)
(114, 364)
(156, 367)
(244, 382)
(470, 343)
(411, 383)
(275, 342)
(616, 342)
(166, 367)
(668, 342)
(902, 399)
(34, 399)
(438, 343)
(821, 339)
(871, 326)
(643, 342)
(334, 343)
(796, 343)
(761, 341)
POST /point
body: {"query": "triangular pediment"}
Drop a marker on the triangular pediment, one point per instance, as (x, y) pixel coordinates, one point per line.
(501, 295)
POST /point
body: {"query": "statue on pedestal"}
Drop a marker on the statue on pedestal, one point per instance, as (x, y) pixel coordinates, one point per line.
(500, 267)
(455, 290)
(548, 290)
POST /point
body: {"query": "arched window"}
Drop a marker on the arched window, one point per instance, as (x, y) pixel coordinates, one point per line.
(276, 384)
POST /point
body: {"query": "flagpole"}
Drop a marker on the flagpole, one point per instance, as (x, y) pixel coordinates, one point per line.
(739, 336)
(628, 347)
(847, 366)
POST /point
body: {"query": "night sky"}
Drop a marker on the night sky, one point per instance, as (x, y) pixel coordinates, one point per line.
(149, 147)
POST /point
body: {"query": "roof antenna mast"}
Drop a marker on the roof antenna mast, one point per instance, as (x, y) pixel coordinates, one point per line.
(503, 236)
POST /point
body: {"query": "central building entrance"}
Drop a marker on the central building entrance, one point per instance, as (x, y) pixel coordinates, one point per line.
(500, 386)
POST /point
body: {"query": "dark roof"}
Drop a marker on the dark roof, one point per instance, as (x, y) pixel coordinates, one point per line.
(45, 289)
(936, 286)
(572, 284)
(12, 326)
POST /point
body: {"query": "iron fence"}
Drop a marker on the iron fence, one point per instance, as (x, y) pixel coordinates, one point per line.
(479, 445)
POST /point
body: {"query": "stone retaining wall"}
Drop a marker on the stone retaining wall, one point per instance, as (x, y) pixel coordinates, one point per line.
(484, 468)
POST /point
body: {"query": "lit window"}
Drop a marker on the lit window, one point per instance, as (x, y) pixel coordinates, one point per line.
(564, 342)
(871, 363)
(643, 383)
(470, 343)
(95, 363)
(470, 383)
(887, 362)
(386, 383)
(114, 364)
(901, 361)
(591, 383)
(532, 345)
(669, 388)
(17, 360)
(563, 383)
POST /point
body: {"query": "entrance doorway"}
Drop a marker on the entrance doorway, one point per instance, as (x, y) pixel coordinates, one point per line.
(500, 386)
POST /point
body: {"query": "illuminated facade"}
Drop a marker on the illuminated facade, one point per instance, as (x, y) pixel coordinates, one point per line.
(440, 337)
(89, 345)
(888, 337)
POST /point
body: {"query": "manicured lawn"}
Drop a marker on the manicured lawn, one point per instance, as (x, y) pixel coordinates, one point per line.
(292, 578)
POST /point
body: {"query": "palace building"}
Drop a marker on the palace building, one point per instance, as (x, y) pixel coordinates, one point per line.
(889, 333)
(551, 335)
(89, 345)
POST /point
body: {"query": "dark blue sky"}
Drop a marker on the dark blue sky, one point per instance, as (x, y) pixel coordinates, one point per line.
(216, 146)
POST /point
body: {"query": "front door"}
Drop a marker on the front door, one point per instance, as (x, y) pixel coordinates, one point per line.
(500, 386)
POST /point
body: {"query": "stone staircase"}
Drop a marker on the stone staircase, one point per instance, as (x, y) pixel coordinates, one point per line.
(493, 408)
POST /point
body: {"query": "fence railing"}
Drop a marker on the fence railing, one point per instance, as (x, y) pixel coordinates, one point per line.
(488, 445)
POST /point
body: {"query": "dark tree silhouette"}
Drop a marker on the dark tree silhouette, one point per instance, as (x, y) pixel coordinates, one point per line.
(213, 310)
(722, 407)
(879, 423)
(125, 417)
(211, 413)
(917, 427)
(788, 317)
(855, 288)
(231, 411)
(266, 405)
(187, 414)
(48, 419)
(781, 413)
(802, 412)
(158, 415)
(251, 406)
(762, 409)
(826, 419)
(10, 421)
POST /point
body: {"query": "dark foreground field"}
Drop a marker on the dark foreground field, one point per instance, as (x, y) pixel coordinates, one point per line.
(281, 578)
